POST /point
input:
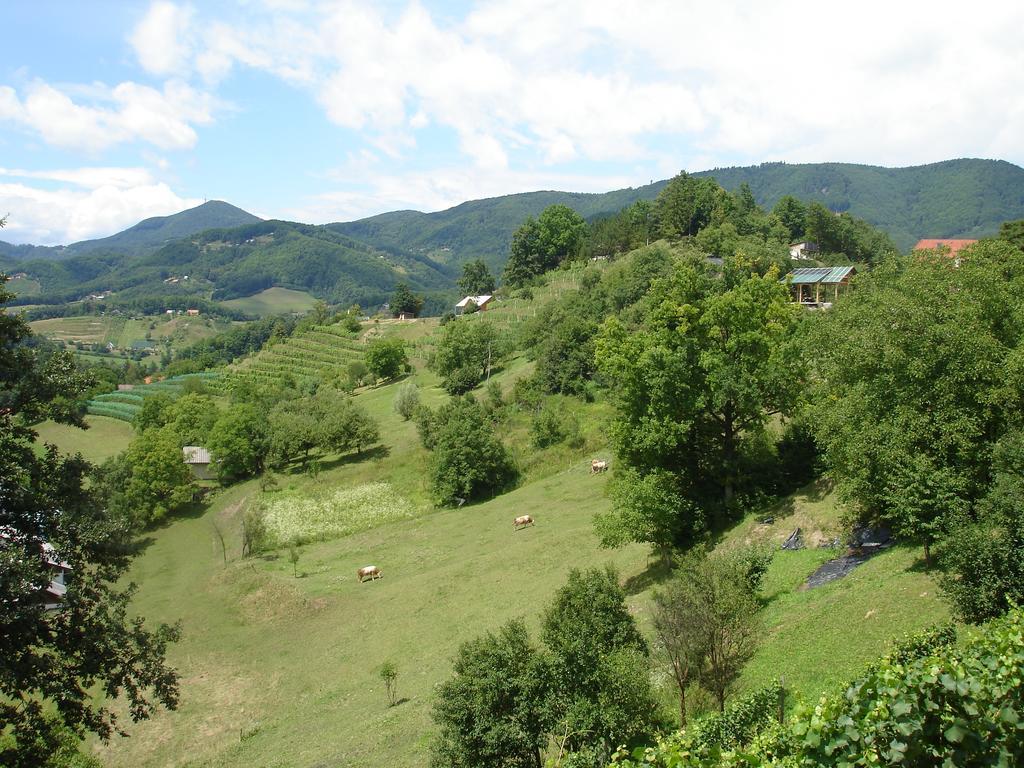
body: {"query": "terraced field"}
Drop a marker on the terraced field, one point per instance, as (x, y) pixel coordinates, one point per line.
(322, 353)
(124, 405)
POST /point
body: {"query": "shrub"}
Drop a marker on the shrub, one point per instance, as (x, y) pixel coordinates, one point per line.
(461, 381)
(407, 400)
(546, 429)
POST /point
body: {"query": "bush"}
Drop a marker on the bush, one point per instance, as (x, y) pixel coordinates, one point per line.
(546, 429)
(461, 380)
(468, 461)
(407, 400)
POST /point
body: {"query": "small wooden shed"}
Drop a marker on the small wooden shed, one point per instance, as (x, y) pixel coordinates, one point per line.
(819, 286)
(198, 460)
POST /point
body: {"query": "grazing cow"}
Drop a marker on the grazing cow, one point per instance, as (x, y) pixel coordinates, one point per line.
(598, 465)
(521, 522)
(370, 571)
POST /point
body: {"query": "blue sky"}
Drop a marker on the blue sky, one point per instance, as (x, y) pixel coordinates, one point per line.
(330, 111)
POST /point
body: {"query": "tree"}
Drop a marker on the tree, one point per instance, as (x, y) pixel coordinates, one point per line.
(342, 425)
(467, 460)
(492, 711)
(149, 480)
(389, 675)
(686, 204)
(476, 279)
(238, 443)
(385, 358)
(466, 352)
(407, 400)
(694, 385)
(54, 663)
(191, 417)
(600, 686)
(404, 300)
(918, 372)
(254, 530)
(293, 558)
(541, 244)
(984, 559)
(153, 413)
(706, 619)
(792, 214)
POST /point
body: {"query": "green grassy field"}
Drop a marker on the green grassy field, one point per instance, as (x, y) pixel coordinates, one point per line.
(104, 438)
(123, 331)
(273, 301)
(281, 671)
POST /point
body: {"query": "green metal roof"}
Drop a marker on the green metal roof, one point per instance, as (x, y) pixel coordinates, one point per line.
(813, 275)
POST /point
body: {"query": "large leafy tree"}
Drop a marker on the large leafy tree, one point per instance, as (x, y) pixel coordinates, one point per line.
(238, 442)
(404, 300)
(694, 384)
(466, 352)
(57, 666)
(686, 204)
(492, 711)
(476, 279)
(918, 372)
(543, 243)
(385, 358)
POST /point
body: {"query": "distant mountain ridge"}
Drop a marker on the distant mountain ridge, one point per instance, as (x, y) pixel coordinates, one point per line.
(148, 235)
(967, 197)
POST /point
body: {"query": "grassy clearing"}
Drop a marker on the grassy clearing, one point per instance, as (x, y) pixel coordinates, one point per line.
(273, 301)
(303, 519)
(105, 437)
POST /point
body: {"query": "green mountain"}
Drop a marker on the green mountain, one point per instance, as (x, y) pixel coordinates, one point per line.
(954, 198)
(147, 235)
(240, 261)
(479, 228)
(967, 198)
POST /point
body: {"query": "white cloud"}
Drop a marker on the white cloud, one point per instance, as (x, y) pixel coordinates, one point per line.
(125, 113)
(66, 215)
(88, 177)
(591, 80)
(161, 39)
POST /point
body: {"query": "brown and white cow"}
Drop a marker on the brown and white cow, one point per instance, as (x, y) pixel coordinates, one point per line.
(370, 571)
(521, 522)
(598, 465)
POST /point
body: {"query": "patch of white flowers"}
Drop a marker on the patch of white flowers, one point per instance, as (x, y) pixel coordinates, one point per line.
(350, 510)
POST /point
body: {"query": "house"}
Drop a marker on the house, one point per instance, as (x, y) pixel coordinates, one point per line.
(198, 460)
(192, 312)
(803, 251)
(480, 301)
(953, 246)
(818, 287)
(52, 593)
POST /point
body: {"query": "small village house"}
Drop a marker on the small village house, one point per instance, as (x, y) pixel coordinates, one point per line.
(198, 460)
(818, 287)
(480, 301)
(953, 246)
(52, 593)
(803, 251)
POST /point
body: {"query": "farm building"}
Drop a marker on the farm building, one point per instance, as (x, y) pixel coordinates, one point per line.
(51, 594)
(803, 251)
(952, 246)
(480, 301)
(818, 287)
(198, 460)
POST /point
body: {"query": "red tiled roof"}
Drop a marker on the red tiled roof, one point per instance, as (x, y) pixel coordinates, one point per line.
(955, 246)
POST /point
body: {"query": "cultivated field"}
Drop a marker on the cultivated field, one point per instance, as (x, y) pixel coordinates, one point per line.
(122, 331)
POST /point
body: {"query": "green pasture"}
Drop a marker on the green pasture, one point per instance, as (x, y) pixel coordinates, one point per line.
(104, 438)
(282, 671)
(273, 301)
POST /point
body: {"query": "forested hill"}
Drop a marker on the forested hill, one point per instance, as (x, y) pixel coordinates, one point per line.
(969, 198)
(240, 261)
(479, 228)
(147, 235)
(954, 198)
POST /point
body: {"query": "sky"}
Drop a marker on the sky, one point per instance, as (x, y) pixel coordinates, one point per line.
(111, 112)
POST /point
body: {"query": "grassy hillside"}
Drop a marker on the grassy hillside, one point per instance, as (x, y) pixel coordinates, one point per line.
(282, 671)
(122, 332)
(104, 438)
(956, 198)
(273, 301)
